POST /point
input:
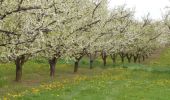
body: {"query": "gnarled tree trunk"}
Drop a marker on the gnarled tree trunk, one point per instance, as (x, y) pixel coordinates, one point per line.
(129, 57)
(19, 64)
(91, 61)
(92, 58)
(76, 64)
(104, 57)
(52, 63)
(113, 57)
(122, 56)
(135, 57)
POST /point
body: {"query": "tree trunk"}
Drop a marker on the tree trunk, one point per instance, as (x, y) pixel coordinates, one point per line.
(122, 59)
(135, 58)
(129, 57)
(129, 60)
(91, 64)
(91, 61)
(104, 57)
(76, 65)
(52, 63)
(122, 56)
(19, 63)
(18, 72)
(104, 61)
(92, 58)
(143, 58)
(113, 56)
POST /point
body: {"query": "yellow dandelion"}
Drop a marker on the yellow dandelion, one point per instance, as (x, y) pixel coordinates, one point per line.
(5, 98)
(35, 90)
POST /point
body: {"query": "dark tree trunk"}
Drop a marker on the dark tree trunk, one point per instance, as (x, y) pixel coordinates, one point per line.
(122, 59)
(104, 57)
(122, 56)
(52, 63)
(92, 57)
(143, 58)
(19, 63)
(18, 72)
(91, 61)
(76, 64)
(113, 56)
(129, 60)
(135, 58)
(129, 57)
(91, 64)
(104, 60)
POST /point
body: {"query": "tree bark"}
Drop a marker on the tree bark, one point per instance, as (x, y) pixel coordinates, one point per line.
(122, 56)
(104, 57)
(19, 63)
(91, 64)
(92, 57)
(76, 65)
(143, 58)
(91, 61)
(129, 57)
(52, 63)
(135, 58)
(122, 59)
(113, 56)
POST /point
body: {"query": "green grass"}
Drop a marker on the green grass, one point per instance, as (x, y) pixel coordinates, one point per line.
(163, 60)
(149, 81)
(114, 84)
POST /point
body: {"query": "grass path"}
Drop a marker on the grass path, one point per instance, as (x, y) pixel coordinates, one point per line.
(160, 57)
(154, 56)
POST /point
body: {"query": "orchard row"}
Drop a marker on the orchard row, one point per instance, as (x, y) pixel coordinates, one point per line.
(72, 29)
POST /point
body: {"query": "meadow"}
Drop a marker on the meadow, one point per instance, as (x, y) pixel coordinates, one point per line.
(149, 80)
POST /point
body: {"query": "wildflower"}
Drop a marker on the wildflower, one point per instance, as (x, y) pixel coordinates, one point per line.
(16, 95)
(5, 98)
(35, 90)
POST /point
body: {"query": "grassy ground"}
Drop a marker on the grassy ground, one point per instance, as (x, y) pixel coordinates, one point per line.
(113, 82)
(162, 60)
(127, 86)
